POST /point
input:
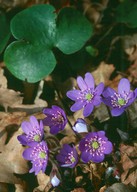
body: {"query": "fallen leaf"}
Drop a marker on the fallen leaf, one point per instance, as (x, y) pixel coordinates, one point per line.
(3, 80)
(9, 98)
(11, 160)
(129, 164)
(103, 73)
(119, 187)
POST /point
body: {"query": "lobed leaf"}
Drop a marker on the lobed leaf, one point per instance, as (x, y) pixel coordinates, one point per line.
(38, 30)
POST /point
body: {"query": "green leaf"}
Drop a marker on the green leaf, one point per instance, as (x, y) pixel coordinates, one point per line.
(71, 35)
(4, 31)
(38, 30)
(91, 50)
(28, 62)
(126, 13)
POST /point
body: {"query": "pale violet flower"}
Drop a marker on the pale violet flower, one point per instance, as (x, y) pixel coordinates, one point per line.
(94, 146)
(88, 96)
(37, 153)
(120, 100)
(33, 131)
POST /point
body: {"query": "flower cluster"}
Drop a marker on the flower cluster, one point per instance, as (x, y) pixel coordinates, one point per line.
(93, 146)
(88, 96)
(37, 151)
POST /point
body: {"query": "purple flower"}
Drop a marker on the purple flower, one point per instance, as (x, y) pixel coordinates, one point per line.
(55, 118)
(120, 100)
(55, 181)
(94, 146)
(68, 156)
(33, 131)
(88, 96)
(37, 153)
(80, 126)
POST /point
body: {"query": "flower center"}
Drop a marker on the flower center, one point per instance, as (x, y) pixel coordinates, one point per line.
(34, 136)
(121, 101)
(57, 118)
(37, 138)
(95, 145)
(72, 159)
(89, 96)
(42, 154)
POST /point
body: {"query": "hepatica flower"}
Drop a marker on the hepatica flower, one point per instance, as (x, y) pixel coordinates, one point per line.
(33, 131)
(94, 147)
(88, 96)
(55, 118)
(68, 156)
(37, 153)
(80, 126)
(120, 100)
(55, 181)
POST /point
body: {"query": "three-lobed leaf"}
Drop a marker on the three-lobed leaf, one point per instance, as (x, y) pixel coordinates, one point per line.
(38, 29)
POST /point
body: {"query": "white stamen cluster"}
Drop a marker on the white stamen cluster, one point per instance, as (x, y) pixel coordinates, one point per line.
(118, 101)
(34, 135)
(57, 118)
(36, 155)
(70, 158)
(86, 95)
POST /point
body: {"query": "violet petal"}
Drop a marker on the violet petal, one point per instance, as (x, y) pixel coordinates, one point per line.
(77, 106)
(124, 86)
(88, 109)
(89, 80)
(74, 94)
(117, 111)
(81, 83)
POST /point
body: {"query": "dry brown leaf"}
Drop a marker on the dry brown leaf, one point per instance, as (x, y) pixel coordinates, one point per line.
(3, 80)
(94, 11)
(9, 98)
(3, 187)
(120, 187)
(29, 109)
(102, 189)
(43, 181)
(79, 190)
(129, 164)
(11, 160)
(103, 73)
(96, 174)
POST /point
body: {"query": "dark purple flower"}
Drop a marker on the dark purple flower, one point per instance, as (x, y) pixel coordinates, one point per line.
(33, 131)
(55, 118)
(94, 146)
(80, 126)
(88, 96)
(68, 156)
(120, 100)
(37, 153)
